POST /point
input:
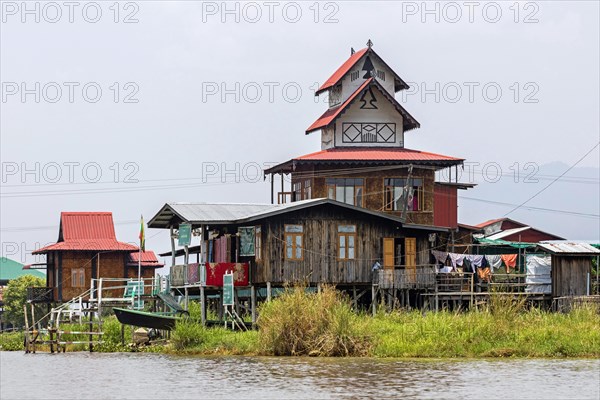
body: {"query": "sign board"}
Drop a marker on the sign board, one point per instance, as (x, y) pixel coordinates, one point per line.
(185, 234)
(228, 289)
(247, 239)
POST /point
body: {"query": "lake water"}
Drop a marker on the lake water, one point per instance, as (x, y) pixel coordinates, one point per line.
(157, 376)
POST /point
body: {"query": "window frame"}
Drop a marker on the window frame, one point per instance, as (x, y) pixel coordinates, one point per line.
(257, 243)
(78, 277)
(346, 235)
(388, 193)
(332, 185)
(294, 244)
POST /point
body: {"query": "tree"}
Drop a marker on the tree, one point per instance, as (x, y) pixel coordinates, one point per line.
(15, 296)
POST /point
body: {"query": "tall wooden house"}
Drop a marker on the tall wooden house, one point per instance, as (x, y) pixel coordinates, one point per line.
(362, 202)
(363, 160)
(88, 248)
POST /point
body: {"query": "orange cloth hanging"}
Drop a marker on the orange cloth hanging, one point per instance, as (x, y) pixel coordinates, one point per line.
(510, 260)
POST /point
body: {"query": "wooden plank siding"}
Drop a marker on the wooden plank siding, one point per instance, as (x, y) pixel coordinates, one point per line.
(320, 263)
(570, 274)
(374, 187)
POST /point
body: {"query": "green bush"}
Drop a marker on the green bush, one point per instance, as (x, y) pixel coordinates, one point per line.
(314, 324)
(12, 341)
(187, 333)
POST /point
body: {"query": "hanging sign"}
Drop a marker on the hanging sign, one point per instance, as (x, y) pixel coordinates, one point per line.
(185, 234)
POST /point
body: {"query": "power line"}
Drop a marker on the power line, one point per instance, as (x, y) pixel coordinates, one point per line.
(557, 178)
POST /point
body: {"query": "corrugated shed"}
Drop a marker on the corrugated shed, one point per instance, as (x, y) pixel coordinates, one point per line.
(569, 248)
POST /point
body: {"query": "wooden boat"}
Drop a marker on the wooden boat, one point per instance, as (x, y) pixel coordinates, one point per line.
(146, 319)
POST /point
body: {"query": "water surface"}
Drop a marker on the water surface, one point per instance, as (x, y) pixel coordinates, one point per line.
(156, 376)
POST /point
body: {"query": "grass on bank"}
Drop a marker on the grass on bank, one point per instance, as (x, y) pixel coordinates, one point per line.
(300, 323)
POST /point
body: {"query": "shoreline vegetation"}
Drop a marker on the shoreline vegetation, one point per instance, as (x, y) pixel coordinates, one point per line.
(298, 323)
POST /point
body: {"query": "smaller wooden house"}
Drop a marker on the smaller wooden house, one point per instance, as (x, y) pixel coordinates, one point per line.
(571, 267)
(87, 248)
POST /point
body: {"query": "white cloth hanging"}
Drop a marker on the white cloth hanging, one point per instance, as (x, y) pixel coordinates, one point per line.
(494, 260)
(456, 259)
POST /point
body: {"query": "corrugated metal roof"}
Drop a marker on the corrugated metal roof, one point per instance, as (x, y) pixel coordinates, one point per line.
(148, 259)
(342, 70)
(206, 212)
(86, 231)
(569, 248)
(330, 115)
(201, 213)
(87, 225)
(399, 84)
(507, 232)
(375, 154)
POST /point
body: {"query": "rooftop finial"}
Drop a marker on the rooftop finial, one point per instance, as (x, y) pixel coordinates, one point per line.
(352, 50)
(369, 44)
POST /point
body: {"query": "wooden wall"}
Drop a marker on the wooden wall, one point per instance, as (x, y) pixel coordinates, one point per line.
(569, 275)
(374, 187)
(320, 263)
(106, 265)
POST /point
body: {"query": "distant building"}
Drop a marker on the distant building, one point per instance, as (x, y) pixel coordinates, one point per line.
(87, 248)
(513, 231)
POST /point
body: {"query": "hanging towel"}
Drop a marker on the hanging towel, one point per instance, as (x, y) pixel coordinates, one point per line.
(456, 259)
(510, 260)
(495, 261)
(440, 256)
(484, 274)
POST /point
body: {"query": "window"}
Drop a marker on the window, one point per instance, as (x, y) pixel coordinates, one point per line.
(346, 242)
(346, 190)
(294, 237)
(397, 192)
(381, 75)
(353, 76)
(307, 190)
(297, 189)
(257, 244)
(77, 277)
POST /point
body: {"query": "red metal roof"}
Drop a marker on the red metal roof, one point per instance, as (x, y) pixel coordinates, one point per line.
(330, 115)
(343, 70)
(87, 225)
(374, 154)
(148, 259)
(92, 231)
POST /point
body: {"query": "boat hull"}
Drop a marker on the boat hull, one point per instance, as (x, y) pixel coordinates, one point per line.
(145, 319)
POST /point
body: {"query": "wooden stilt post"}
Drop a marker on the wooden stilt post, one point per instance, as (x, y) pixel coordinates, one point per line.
(253, 304)
(373, 299)
(268, 291)
(123, 334)
(27, 337)
(90, 326)
(203, 305)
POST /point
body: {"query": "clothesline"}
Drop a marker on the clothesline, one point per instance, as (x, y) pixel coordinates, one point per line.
(494, 261)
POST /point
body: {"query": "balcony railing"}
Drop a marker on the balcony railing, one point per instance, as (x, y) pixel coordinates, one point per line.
(401, 277)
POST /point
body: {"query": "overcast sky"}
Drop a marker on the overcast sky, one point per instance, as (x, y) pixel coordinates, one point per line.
(164, 100)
